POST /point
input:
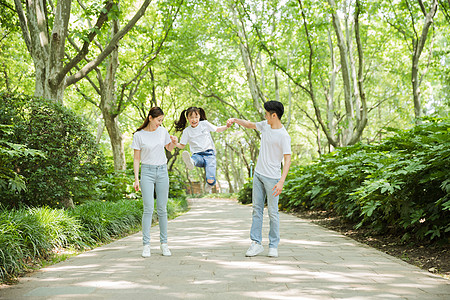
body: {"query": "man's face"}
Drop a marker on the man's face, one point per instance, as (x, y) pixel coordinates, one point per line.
(270, 117)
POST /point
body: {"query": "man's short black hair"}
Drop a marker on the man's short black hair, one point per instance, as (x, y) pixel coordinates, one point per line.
(274, 107)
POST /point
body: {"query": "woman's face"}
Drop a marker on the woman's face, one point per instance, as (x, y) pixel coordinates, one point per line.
(155, 122)
(194, 119)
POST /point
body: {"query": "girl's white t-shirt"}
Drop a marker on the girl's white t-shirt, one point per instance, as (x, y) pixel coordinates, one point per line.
(199, 138)
(151, 144)
(275, 143)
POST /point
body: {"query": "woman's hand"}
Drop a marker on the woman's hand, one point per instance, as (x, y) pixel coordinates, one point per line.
(136, 185)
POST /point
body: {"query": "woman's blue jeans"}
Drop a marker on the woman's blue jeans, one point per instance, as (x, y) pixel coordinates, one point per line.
(262, 188)
(207, 160)
(154, 179)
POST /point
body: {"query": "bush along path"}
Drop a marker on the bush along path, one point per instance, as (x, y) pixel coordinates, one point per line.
(29, 237)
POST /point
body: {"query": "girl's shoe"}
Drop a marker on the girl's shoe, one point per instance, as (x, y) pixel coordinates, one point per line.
(208, 188)
(187, 160)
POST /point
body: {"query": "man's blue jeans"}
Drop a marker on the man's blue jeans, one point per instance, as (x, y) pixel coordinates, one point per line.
(262, 188)
(207, 160)
(154, 179)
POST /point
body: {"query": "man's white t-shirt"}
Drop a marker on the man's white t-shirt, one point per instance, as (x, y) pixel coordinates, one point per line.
(199, 138)
(275, 143)
(151, 144)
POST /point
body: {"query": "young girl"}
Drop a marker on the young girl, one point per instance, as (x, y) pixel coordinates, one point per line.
(149, 142)
(197, 134)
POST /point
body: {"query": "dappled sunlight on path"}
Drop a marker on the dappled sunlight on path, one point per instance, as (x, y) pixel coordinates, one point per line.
(208, 245)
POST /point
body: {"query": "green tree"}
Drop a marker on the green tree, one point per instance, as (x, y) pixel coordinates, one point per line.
(68, 171)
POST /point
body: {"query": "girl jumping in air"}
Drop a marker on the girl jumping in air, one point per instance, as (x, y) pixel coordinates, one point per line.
(197, 134)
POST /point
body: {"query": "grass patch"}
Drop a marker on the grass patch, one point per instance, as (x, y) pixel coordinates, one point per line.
(31, 238)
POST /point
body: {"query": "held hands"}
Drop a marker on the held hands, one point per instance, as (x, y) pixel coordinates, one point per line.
(174, 139)
(230, 122)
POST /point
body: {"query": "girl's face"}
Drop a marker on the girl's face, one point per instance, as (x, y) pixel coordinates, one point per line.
(155, 122)
(194, 119)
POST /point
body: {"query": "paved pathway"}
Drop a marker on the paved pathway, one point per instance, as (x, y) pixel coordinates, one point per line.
(208, 245)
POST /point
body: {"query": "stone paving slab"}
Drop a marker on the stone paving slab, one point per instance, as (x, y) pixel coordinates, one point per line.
(208, 244)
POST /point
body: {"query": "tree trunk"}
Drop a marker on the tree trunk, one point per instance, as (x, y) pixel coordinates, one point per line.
(108, 104)
(346, 73)
(48, 51)
(331, 124)
(226, 169)
(256, 93)
(418, 46)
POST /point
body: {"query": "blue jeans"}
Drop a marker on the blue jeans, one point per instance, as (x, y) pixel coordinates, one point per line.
(207, 160)
(262, 188)
(154, 179)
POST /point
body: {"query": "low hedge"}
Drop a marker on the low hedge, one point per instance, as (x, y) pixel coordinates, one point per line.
(28, 236)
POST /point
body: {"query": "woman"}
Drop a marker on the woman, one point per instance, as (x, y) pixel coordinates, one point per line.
(149, 141)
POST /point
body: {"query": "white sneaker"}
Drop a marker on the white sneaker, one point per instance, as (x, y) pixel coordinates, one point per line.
(187, 160)
(165, 250)
(146, 251)
(208, 188)
(273, 252)
(254, 249)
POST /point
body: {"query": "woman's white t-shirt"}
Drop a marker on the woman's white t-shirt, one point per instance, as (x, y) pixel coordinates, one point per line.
(151, 144)
(275, 143)
(199, 138)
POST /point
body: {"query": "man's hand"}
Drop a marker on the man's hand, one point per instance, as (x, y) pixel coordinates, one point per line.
(277, 188)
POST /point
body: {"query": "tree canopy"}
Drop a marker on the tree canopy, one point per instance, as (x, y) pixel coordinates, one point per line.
(343, 69)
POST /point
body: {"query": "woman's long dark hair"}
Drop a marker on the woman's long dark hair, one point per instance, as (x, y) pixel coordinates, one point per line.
(181, 123)
(154, 113)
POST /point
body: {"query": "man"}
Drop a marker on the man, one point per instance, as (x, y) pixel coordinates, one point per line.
(268, 180)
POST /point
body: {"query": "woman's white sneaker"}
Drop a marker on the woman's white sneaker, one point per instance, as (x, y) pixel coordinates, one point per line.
(146, 251)
(165, 250)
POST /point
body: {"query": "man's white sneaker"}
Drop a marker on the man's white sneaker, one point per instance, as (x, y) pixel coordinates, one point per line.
(254, 249)
(187, 160)
(208, 188)
(273, 252)
(146, 251)
(165, 250)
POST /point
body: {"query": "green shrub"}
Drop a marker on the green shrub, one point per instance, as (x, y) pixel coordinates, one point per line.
(29, 235)
(72, 164)
(245, 194)
(101, 221)
(400, 184)
(9, 178)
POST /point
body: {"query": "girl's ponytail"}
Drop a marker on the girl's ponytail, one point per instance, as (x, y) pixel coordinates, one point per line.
(181, 123)
(202, 114)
